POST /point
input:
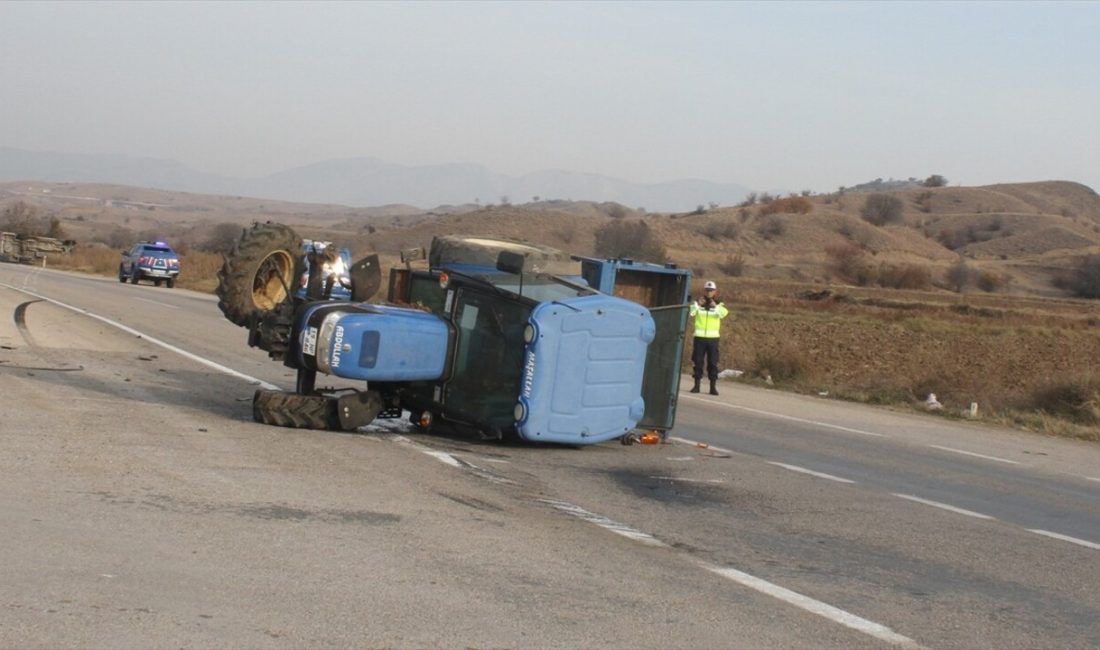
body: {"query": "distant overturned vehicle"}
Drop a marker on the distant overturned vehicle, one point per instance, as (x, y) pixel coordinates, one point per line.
(23, 249)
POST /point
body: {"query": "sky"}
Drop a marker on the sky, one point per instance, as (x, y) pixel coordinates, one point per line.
(800, 96)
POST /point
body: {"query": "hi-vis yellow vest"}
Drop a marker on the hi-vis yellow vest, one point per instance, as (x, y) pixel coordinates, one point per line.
(707, 321)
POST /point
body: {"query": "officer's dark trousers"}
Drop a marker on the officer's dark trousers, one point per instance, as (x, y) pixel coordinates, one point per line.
(707, 348)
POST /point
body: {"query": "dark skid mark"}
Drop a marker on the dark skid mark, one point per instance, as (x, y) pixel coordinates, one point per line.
(267, 511)
(77, 368)
(470, 502)
(641, 483)
(20, 317)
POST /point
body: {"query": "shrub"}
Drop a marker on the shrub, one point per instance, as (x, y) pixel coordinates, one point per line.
(634, 239)
(771, 229)
(719, 230)
(734, 266)
(989, 281)
(789, 205)
(1084, 281)
(960, 275)
(845, 260)
(935, 180)
(881, 209)
(1076, 400)
(905, 276)
(924, 201)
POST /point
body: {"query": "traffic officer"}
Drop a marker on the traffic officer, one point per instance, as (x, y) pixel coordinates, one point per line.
(708, 313)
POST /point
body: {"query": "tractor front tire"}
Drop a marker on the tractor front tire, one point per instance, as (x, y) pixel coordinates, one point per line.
(261, 272)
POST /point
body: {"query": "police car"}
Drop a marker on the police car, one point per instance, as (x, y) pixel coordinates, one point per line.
(155, 261)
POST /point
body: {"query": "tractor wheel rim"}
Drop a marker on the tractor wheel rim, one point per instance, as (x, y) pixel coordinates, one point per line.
(271, 284)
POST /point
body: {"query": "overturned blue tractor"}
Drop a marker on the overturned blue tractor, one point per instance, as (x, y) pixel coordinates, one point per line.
(501, 339)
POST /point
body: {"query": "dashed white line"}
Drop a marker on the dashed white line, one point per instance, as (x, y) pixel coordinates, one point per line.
(1065, 538)
(787, 417)
(604, 522)
(803, 470)
(805, 603)
(701, 445)
(944, 506)
(167, 346)
(970, 453)
(453, 461)
(834, 614)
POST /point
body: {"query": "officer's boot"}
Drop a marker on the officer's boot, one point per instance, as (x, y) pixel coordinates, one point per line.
(695, 388)
(713, 388)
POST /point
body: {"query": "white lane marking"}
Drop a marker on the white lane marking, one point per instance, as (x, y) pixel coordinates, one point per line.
(1090, 478)
(167, 346)
(604, 522)
(788, 417)
(681, 459)
(688, 480)
(970, 453)
(1065, 538)
(701, 445)
(944, 506)
(806, 603)
(834, 614)
(796, 468)
(454, 461)
(156, 302)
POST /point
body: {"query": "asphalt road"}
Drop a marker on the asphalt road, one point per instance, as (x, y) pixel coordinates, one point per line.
(141, 507)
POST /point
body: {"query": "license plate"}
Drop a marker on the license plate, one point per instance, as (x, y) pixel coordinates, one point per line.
(309, 341)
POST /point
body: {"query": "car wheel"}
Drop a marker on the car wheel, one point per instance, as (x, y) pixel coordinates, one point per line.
(134, 277)
(171, 282)
(156, 282)
(121, 274)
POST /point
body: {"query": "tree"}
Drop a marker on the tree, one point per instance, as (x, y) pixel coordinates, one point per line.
(222, 238)
(935, 180)
(881, 209)
(633, 239)
(55, 230)
(23, 219)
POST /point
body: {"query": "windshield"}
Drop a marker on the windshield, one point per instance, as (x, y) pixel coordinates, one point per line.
(488, 356)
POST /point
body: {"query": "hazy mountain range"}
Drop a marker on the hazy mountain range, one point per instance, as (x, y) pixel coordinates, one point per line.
(362, 182)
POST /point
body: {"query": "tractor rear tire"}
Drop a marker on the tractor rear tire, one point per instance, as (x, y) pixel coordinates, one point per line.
(284, 409)
(260, 274)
